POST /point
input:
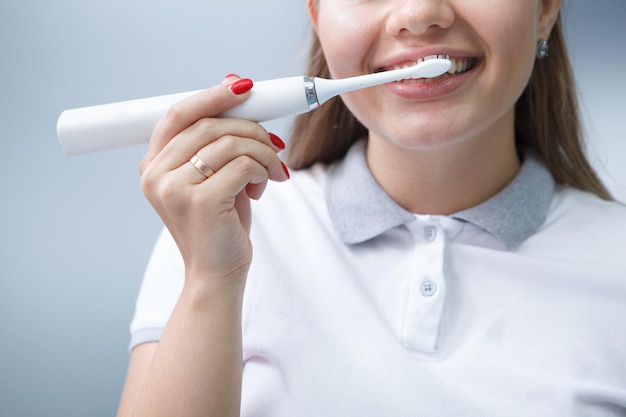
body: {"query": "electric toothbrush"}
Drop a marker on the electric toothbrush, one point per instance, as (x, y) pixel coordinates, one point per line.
(108, 126)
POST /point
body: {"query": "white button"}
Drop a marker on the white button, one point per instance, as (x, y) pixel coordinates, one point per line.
(428, 288)
(430, 233)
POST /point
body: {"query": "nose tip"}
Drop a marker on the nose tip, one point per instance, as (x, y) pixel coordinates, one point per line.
(418, 17)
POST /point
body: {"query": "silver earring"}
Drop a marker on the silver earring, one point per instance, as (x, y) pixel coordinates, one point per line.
(542, 49)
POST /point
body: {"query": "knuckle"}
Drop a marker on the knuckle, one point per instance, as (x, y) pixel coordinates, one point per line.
(247, 166)
(206, 126)
(230, 145)
(168, 189)
(174, 114)
(147, 182)
(159, 187)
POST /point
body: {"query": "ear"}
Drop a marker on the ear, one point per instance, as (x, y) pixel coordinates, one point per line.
(312, 6)
(547, 17)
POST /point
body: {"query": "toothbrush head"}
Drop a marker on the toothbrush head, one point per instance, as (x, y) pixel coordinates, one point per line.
(430, 67)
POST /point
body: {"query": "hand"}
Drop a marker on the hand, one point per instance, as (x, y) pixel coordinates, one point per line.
(209, 218)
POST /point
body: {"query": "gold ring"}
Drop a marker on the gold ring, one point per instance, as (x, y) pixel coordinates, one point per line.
(201, 166)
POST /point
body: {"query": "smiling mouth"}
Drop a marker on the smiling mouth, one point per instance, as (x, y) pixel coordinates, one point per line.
(459, 66)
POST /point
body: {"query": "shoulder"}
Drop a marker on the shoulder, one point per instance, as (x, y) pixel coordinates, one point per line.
(583, 226)
(585, 208)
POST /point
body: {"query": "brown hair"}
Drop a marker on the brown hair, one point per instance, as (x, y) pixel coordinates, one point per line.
(546, 120)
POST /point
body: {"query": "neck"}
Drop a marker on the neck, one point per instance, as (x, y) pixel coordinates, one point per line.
(443, 179)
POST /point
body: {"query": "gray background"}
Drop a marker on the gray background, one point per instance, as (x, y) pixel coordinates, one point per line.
(75, 233)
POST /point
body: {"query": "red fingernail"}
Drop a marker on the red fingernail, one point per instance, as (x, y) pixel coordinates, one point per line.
(278, 142)
(232, 75)
(241, 86)
(286, 170)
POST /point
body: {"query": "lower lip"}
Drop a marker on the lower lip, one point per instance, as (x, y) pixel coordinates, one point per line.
(428, 90)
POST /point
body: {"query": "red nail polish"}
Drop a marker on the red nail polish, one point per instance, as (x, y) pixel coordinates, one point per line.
(278, 142)
(232, 75)
(286, 170)
(241, 86)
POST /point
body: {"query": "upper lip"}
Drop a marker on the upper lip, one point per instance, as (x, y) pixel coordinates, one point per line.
(411, 56)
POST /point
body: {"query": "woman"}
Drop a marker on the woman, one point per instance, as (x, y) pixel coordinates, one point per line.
(442, 248)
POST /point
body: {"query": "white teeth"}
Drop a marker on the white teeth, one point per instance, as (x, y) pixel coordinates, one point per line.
(458, 65)
(452, 66)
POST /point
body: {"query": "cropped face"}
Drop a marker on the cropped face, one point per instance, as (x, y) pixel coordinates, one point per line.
(491, 44)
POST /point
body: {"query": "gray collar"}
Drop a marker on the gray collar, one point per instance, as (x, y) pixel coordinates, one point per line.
(361, 210)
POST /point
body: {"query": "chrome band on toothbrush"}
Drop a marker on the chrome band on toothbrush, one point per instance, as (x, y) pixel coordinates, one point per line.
(310, 93)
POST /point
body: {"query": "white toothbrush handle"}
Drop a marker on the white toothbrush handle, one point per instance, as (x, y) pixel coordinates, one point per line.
(109, 126)
(115, 125)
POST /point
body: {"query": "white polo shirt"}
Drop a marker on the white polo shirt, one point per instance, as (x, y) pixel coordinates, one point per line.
(356, 307)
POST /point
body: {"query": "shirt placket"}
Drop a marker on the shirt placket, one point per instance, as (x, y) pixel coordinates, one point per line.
(426, 287)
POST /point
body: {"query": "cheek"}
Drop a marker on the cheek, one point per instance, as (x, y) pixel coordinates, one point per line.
(508, 32)
(346, 39)
(509, 29)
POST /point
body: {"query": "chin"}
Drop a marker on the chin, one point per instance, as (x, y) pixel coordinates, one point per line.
(418, 138)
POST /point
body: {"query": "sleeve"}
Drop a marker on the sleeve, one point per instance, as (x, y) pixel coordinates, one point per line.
(159, 291)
